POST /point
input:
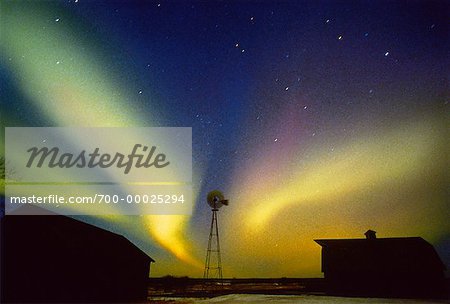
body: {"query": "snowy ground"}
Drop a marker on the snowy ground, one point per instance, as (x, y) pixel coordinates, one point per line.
(282, 299)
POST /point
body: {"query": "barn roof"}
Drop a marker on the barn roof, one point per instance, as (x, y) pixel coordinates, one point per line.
(59, 259)
(405, 241)
(395, 253)
(73, 233)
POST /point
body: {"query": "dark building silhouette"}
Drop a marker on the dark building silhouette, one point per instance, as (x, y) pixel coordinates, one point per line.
(54, 258)
(382, 267)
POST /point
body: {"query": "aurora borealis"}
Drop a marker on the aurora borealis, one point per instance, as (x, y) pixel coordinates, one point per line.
(317, 119)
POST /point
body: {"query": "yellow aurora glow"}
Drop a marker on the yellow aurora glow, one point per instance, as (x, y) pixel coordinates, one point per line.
(363, 165)
(72, 90)
(391, 181)
(75, 90)
(384, 181)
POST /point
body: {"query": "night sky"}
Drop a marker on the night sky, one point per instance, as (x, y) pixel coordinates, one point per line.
(317, 119)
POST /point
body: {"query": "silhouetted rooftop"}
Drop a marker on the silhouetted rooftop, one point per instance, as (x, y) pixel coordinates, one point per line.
(60, 259)
(394, 253)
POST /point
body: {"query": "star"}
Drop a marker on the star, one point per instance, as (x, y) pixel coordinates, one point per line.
(386, 54)
(236, 45)
(252, 18)
(242, 51)
(275, 140)
(305, 107)
(340, 37)
(327, 21)
(57, 20)
(140, 92)
(286, 88)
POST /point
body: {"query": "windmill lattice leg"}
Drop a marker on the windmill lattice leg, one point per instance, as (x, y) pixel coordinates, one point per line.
(213, 271)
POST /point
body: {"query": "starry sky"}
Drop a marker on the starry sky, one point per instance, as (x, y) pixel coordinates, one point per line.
(317, 119)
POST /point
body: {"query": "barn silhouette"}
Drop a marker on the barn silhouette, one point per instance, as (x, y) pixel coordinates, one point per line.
(382, 267)
(54, 258)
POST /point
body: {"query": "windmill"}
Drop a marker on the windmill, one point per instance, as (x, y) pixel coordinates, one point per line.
(215, 201)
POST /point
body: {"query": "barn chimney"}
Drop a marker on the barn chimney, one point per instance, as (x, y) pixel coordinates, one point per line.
(370, 234)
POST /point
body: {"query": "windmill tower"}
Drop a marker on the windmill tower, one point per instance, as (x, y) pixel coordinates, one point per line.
(213, 267)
